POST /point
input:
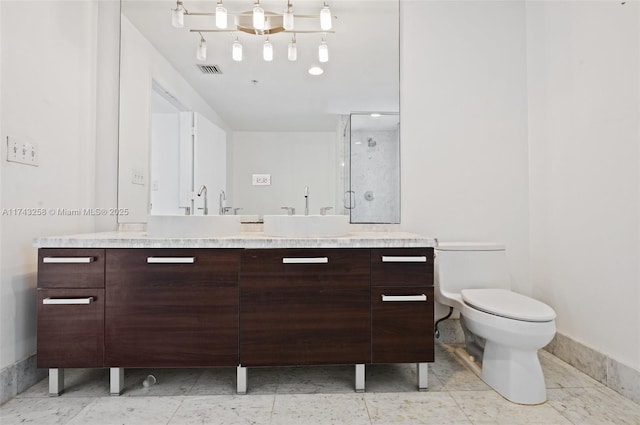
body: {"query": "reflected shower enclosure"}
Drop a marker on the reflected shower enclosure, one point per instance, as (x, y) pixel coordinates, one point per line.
(372, 177)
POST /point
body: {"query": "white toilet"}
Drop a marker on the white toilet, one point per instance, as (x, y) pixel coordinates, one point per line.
(474, 279)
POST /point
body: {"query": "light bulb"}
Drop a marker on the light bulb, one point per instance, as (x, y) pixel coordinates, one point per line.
(258, 17)
(325, 18)
(323, 52)
(287, 18)
(267, 51)
(201, 52)
(177, 16)
(221, 16)
(292, 51)
(236, 52)
(316, 70)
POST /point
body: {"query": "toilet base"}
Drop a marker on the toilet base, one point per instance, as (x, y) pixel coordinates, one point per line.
(515, 374)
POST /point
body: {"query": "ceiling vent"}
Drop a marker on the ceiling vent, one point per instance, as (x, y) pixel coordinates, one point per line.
(210, 69)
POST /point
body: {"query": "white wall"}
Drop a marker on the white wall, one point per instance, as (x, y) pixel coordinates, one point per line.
(48, 96)
(464, 131)
(583, 69)
(141, 64)
(294, 160)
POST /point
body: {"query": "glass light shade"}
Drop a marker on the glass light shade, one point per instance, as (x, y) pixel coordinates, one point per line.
(267, 51)
(201, 52)
(287, 19)
(177, 17)
(236, 52)
(323, 52)
(258, 17)
(325, 18)
(292, 51)
(221, 16)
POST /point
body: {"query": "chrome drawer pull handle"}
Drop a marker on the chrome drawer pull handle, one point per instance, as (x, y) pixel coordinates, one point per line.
(403, 298)
(67, 301)
(68, 260)
(417, 259)
(171, 260)
(315, 260)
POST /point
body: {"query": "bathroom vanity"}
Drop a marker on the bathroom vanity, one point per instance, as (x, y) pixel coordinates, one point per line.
(124, 300)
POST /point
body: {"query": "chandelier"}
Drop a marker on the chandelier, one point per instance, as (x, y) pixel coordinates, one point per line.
(260, 23)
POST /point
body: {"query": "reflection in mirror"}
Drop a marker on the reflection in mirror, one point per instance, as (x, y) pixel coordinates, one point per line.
(258, 131)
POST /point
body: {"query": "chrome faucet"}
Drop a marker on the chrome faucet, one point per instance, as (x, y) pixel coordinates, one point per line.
(203, 189)
(290, 210)
(306, 200)
(222, 197)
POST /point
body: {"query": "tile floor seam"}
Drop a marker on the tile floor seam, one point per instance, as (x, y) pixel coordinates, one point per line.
(175, 411)
(94, 401)
(460, 407)
(366, 406)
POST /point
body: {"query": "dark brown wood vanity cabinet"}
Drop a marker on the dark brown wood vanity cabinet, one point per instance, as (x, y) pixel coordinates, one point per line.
(70, 307)
(171, 307)
(402, 305)
(305, 307)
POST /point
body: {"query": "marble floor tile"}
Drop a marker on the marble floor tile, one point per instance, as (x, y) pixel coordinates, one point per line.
(320, 409)
(317, 380)
(488, 407)
(225, 410)
(215, 381)
(43, 411)
(594, 406)
(452, 373)
(77, 383)
(414, 408)
(558, 374)
(395, 378)
(262, 380)
(128, 410)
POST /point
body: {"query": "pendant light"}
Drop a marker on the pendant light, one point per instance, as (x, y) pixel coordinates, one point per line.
(201, 52)
(323, 52)
(287, 17)
(177, 16)
(236, 52)
(258, 16)
(292, 51)
(221, 16)
(325, 18)
(267, 50)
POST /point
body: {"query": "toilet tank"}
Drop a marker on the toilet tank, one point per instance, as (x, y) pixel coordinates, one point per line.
(471, 266)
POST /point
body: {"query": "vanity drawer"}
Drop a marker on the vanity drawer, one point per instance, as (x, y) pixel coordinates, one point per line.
(402, 324)
(71, 268)
(402, 267)
(171, 308)
(70, 327)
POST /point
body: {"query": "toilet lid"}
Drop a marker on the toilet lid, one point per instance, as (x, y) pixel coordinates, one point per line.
(502, 302)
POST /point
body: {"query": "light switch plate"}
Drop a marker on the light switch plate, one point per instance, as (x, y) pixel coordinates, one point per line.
(22, 151)
(261, 179)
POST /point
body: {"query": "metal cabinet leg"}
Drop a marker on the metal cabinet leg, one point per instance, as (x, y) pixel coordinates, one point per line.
(56, 382)
(116, 380)
(241, 378)
(423, 376)
(360, 378)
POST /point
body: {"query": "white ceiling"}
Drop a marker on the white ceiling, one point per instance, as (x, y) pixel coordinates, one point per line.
(362, 73)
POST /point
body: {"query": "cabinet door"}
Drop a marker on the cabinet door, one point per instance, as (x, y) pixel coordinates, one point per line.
(402, 324)
(402, 267)
(70, 268)
(305, 307)
(70, 328)
(171, 307)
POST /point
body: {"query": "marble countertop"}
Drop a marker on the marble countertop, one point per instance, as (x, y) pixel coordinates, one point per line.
(251, 240)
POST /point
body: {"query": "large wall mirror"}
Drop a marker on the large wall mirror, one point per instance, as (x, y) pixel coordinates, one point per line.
(202, 105)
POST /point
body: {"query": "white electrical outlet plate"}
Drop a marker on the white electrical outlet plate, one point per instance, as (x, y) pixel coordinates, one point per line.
(22, 151)
(261, 179)
(137, 176)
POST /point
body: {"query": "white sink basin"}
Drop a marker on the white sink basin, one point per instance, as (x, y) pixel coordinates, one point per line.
(192, 226)
(306, 226)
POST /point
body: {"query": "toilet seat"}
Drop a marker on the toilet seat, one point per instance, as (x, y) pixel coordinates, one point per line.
(508, 304)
